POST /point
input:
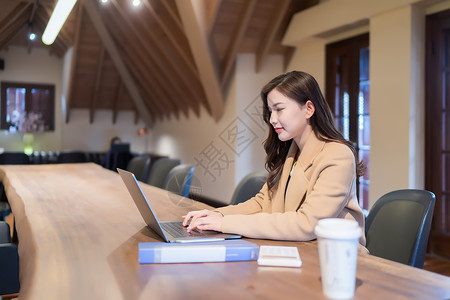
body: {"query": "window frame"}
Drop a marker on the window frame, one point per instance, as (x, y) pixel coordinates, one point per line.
(350, 47)
(4, 85)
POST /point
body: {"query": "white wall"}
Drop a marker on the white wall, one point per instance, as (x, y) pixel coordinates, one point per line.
(46, 70)
(397, 101)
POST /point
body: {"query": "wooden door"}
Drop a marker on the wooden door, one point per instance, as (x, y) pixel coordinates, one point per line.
(437, 128)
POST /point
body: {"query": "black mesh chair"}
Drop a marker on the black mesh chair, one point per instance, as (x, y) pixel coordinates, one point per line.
(160, 169)
(9, 262)
(179, 180)
(140, 167)
(14, 158)
(71, 157)
(248, 187)
(398, 226)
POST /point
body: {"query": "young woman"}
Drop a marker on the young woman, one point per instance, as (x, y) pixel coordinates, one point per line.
(312, 170)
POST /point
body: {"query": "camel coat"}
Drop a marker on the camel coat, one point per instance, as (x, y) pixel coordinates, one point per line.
(322, 185)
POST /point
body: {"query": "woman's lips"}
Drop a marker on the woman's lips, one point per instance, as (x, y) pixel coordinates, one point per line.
(278, 129)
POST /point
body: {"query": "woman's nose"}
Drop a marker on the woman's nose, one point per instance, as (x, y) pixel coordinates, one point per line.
(273, 119)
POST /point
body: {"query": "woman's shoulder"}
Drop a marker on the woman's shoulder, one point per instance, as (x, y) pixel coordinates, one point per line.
(337, 148)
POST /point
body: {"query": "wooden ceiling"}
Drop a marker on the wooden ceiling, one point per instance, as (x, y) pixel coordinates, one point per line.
(162, 59)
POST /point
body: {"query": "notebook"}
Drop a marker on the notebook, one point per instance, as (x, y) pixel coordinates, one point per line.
(169, 231)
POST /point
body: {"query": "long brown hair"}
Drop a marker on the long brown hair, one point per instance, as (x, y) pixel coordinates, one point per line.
(301, 87)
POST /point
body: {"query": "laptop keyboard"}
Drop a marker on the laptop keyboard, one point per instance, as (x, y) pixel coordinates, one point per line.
(176, 229)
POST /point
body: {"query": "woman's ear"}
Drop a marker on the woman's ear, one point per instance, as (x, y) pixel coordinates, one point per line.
(310, 109)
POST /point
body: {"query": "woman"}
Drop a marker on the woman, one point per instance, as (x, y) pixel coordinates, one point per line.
(312, 170)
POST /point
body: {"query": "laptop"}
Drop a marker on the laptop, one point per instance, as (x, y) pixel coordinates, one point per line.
(169, 231)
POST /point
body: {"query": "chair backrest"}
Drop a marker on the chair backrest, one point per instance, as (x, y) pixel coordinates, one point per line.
(398, 226)
(14, 158)
(140, 167)
(160, 169)
(71, 157)
(9, 262)
(248, 187)
(179, 180)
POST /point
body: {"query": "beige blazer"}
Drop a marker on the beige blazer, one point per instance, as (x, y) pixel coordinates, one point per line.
(322, 185)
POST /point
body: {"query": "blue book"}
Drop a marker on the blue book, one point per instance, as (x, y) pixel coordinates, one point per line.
(218, 251)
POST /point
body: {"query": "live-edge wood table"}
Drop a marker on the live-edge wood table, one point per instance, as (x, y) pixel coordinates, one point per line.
(79, 231)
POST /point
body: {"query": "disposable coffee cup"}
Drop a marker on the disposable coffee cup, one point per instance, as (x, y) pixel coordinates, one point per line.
(338, 252)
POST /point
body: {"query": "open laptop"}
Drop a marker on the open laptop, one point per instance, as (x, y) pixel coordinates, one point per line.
(169, 231)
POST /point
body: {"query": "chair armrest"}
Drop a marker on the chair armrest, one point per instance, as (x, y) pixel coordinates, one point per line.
(9, 271)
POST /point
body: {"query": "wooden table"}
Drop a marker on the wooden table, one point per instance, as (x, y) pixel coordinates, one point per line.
(79, 230)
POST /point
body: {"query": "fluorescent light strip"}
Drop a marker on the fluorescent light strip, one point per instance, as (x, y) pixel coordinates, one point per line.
(59, 16)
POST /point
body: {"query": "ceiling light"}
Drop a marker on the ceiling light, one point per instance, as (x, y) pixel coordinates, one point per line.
(104, 1)
(59, 16)
(136, 2)
(31, 34)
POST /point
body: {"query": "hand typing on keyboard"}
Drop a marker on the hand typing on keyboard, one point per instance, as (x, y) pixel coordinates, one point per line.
(203, 220)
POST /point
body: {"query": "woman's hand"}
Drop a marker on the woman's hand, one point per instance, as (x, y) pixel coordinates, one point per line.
(203, 220)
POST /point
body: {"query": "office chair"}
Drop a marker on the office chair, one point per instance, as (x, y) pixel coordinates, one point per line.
(9, 262)
(71, 157)
(248, 187)
(140, 167)
(14, 158)
(179, 180)
(160, 169)
(398, 226)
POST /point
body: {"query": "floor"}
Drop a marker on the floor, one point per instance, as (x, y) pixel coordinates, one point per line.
(437, 265)
(432, 263)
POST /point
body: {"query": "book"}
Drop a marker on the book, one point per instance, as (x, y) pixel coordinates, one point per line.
(218, 251)
(281, 256)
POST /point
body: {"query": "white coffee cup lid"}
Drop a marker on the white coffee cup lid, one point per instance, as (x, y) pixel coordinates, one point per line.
(337, 228)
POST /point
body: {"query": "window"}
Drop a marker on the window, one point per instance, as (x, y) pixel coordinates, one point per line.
(27, 107)
(347, 90)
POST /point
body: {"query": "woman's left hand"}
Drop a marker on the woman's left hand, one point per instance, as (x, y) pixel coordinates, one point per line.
(203, 220)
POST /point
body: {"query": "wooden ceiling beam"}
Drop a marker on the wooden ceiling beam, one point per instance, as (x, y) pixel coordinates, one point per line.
(212, 9)
(172, 39)
(140, 65)
(173, 72)
(230, 56)
(98, 77)
(114, 53)
(140, 69)
(10, 32)
(140, 44)
(173, 14)
(33, 11)
(74, 60)
(272, 28)
(196, 33)
(13, 16)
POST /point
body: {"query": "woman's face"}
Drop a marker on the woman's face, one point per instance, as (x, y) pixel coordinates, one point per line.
(288, 118)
